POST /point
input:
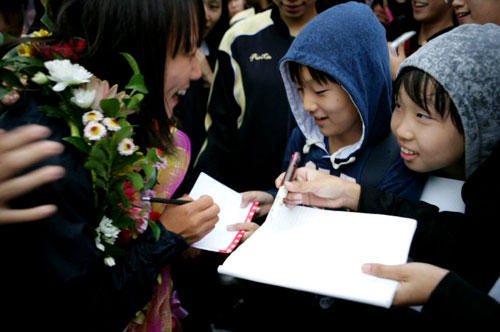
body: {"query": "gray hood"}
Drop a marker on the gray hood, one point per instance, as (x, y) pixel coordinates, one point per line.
(466, 62)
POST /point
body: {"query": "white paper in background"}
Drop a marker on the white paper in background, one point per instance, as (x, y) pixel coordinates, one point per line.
(444, 193)
(229, 202)
(322, 251)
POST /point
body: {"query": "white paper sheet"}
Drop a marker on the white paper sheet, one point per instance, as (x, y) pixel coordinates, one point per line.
(322, 251)
(230, 212)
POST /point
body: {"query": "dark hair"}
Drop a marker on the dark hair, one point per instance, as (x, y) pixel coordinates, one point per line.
(317, 75)
(144, 28)
(418, 84)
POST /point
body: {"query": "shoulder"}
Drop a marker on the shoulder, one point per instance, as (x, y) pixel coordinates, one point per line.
(248, 27)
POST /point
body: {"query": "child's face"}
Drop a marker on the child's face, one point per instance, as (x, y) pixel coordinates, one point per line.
(428, 141)
(332, 109)
(431, 10)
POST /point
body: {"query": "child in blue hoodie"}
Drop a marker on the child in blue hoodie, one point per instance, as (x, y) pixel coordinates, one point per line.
(338, 83)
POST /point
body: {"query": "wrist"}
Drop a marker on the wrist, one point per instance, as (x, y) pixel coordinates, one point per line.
(351, 196)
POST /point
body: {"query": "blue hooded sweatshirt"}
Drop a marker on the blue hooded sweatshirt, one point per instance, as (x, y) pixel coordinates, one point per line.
(348, 43)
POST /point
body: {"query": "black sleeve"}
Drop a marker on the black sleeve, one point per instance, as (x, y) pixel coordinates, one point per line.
(218, 156)
(457, 299)
(465, 243)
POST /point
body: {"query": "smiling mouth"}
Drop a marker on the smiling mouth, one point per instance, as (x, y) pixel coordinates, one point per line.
(407, 151)
(419, 4)
(463, 14)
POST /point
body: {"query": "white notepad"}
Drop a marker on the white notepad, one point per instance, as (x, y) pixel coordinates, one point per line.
(229, 201)
(322, 251)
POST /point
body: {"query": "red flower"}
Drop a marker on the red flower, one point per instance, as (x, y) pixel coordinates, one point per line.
(154, 216)
(70, 50)
(125, 236)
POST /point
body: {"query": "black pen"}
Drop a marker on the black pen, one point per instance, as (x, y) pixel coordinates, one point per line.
(165, 200)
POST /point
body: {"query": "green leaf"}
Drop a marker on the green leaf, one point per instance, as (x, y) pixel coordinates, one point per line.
(78, 142)
(123, 161)
(155, 228)
(4, 91)
(148, 170)
(125, 132)
(1, 38)
(135, 102)
(136, 180)
(131, 62)
(111, 107)
(10, 78)
(151, 180)
(137, 83)
(26, 61)
(100, 183)
(98, 167)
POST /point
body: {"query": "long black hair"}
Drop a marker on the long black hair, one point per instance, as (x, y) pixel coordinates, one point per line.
(147, 29)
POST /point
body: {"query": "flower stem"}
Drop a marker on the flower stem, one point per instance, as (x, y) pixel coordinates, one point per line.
(74, 129)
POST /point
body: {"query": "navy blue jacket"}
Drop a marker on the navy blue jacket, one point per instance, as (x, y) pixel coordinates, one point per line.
(348, 43)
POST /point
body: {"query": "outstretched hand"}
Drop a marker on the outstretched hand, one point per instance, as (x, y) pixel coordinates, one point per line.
(192, 220)
(19, 149)
(417, 280)
(313, 188)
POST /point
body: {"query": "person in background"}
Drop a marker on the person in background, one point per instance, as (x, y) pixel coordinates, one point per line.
(235, 6)
(462, 12)
(249, 120)
(192, 108)
(484, 11)
(434, 18)
(255, 6)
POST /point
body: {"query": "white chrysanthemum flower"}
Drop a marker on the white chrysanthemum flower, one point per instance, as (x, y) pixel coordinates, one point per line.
(98, 243)
(111, 124)
(109, 261)
(94, 131)
(40, 78)
(108, 231)
(126, 147)
(64, 73)
(83, 98)
(92, 116)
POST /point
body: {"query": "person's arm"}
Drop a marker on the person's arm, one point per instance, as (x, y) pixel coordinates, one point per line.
(19, 149)
(442, 293)
(455, 297)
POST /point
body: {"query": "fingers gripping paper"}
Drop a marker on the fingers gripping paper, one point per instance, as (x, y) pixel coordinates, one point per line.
(322, 251)
(228, 200)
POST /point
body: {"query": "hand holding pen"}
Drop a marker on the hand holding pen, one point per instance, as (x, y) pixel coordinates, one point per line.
(314, 188)
(190, 219)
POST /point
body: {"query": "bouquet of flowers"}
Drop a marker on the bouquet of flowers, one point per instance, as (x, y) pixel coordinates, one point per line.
(97, 117)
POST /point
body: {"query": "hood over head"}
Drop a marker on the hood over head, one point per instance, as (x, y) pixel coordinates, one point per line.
(347, 42)
(466, 62)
